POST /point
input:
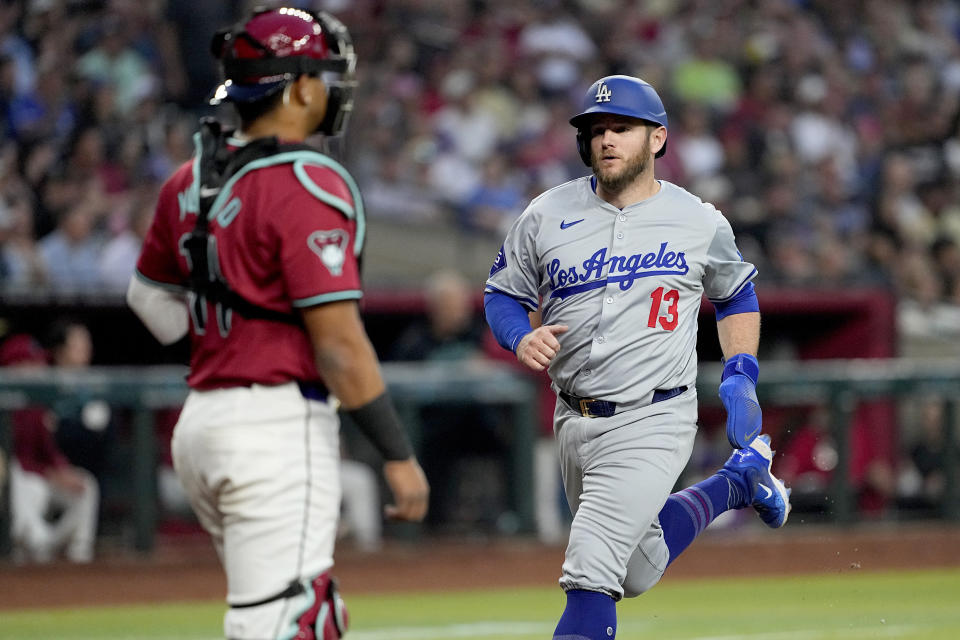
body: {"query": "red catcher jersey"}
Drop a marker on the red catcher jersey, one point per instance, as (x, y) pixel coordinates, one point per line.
(288, 230)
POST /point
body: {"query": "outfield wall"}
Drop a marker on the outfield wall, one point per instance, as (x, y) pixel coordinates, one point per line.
(851, 391)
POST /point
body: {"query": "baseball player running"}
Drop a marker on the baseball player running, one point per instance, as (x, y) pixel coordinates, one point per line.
(254, 250)
(617, 263)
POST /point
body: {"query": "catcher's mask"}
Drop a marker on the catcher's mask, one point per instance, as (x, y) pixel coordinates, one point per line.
(275, 46)
(619, 95)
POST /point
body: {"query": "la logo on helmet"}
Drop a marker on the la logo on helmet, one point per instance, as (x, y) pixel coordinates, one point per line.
(603, 93)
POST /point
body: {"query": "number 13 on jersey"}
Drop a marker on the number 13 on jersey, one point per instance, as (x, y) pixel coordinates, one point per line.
(659, 297)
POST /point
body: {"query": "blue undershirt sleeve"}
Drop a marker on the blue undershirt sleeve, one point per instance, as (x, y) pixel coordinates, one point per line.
(507, 318)
(744, 302)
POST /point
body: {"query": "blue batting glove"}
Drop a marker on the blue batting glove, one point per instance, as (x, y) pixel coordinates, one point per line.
(738, 390)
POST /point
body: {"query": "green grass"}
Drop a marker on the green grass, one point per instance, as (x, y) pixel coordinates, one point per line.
(906, 605)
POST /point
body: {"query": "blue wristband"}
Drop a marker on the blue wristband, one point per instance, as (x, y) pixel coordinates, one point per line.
(744, 364)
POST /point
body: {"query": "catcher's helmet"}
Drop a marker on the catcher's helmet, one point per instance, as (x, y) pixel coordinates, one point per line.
(620, 95)
(275, 46)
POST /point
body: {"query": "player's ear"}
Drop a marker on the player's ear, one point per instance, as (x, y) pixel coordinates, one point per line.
(658, 139)
(303, 89)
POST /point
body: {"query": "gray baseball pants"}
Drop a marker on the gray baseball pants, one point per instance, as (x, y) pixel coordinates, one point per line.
(618, 472)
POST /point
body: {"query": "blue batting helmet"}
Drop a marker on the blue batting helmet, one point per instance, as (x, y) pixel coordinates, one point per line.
(623, 96)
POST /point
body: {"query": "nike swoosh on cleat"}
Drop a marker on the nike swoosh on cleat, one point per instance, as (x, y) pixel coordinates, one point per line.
(765, 488)
(567, 225)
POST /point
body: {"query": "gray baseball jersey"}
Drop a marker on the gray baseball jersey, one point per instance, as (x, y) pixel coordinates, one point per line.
(628, 284)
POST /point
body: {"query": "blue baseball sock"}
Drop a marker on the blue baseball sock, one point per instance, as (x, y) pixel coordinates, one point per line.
(688, 512)
(590, 615)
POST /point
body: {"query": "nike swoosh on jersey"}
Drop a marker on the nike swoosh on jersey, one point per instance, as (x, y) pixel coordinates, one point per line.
(765, 488)
(567, 225)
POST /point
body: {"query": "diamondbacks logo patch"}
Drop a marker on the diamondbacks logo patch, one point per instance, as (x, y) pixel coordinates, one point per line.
(331, 248)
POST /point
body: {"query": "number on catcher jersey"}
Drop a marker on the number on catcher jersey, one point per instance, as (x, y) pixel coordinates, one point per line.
(198, 303)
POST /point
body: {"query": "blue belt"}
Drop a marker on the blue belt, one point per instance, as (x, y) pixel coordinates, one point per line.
(314, 390)
(593, 408)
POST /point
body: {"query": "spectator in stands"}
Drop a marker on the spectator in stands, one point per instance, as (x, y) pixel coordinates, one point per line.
(88, 160)
(468, 125)
(704, 78)
(922, 479)
(701, 153)
(819, 130)
(184, 24)
(71, 253)
(53, 503)
(21, 266)
(451, 330)
(928, 325)
(556, 46)
(45, 112)
(899, 206)
(787, 87)
(85, 424)
(397, 191)
(496, 202)
(113, 62)
(809, 457)
(15, 49)
(452, 434)
(119, 256)
(946, 258)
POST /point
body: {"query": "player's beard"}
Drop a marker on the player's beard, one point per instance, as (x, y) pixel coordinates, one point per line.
(615, 182)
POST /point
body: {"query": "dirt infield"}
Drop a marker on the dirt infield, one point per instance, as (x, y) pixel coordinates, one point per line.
(188, 569)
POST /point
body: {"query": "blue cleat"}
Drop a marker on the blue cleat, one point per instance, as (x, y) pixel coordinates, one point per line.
(767, 494)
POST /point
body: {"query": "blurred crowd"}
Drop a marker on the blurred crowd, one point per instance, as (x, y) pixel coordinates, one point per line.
(825, 131)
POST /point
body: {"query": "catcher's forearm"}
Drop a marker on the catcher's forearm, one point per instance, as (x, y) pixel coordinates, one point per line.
(349, 366)
(162, 311)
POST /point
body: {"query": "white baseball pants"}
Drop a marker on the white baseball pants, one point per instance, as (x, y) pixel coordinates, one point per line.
(75, 530)
(260, 465)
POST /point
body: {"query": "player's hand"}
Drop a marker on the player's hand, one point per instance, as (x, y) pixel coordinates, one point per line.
(67, 478)
(410, 490)
(538, 348)
(744, 417)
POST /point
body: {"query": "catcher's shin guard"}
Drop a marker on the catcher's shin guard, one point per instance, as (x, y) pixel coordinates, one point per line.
(327, 618)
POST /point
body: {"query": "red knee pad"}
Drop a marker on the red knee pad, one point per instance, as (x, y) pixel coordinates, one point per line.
(327, 619)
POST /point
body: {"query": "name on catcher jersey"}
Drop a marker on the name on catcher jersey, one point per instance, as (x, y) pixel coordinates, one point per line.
(285, 237)
(628, 284)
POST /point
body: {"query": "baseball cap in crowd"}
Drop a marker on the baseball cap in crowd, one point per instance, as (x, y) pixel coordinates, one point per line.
(20, 349)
